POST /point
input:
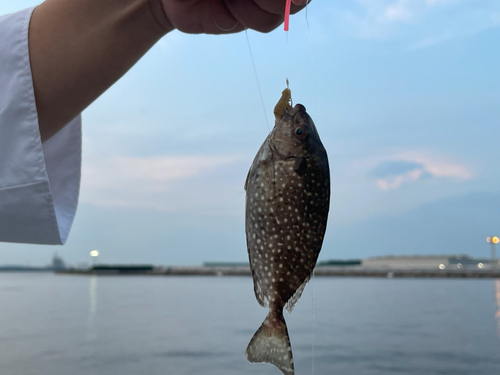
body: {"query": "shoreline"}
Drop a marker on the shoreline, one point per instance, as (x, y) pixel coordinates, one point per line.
(322, 271)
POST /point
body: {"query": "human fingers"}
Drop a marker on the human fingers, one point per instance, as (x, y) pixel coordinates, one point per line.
(278, 6)
(298, 5)
(253, 16)
(301, 2)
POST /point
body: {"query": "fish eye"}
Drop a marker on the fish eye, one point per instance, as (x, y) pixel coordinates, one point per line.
(300, 132)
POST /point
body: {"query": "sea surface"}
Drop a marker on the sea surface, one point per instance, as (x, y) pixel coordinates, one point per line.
(142, 325)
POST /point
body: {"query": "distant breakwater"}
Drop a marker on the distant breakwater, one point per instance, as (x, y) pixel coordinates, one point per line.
(322, 271)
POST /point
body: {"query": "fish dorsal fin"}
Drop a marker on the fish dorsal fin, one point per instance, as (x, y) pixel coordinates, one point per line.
(283, 103)
(293, 301)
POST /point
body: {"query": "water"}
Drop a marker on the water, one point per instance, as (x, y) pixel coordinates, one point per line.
(81, 325)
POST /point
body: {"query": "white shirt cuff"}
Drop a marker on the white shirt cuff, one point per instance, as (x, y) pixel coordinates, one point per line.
(39, 184)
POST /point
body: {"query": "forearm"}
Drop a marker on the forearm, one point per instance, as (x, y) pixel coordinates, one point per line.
(73, 64)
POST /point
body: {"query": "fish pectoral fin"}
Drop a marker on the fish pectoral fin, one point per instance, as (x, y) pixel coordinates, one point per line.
(300, 165)
(271, 344)
(248, 177)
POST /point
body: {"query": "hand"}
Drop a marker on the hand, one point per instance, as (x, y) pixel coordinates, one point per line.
(224, 16)
(79, 48)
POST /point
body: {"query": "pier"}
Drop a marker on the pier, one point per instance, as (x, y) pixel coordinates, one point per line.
(321, 271)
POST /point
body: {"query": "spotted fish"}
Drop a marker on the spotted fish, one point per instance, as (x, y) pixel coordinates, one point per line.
(287, 202)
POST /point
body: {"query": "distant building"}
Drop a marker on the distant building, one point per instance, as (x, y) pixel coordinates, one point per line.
(426, 262)
(226, 264)
(410, 261)
(340, 262)
(58, 263)
(468, 262)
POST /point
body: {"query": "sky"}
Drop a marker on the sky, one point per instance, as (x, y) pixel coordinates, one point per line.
(404, 93)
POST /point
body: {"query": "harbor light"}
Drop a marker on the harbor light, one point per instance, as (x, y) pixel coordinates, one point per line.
(493, 240)
(94, 254)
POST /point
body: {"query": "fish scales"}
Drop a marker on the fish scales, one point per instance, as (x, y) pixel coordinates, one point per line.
(287, 203)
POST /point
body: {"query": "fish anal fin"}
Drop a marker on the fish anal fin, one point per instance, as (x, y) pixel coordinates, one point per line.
(260, 295)
(294, 299)
(271, 344)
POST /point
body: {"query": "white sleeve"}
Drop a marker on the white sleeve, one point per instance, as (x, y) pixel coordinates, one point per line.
(39, 184)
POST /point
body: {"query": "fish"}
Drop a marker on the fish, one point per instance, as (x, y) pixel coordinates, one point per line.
(286, 211)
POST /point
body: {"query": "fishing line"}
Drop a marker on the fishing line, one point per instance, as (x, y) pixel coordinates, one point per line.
(307, 20)
(313, 325)
(310, 51)
(257, 79)
(314, 314)
(286, 25)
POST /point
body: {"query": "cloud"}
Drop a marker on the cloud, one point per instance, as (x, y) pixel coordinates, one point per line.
(407, 10)
(429, 42)
(423, 23)
(164, 183)
(413, 166)
(394, 167)
(402, 10)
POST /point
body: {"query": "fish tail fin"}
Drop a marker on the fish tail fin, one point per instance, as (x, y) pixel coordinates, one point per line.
(271, 343)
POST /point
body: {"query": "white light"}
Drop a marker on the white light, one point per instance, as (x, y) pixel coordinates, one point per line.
(480, 265)
(442, 266)
(94, 253)
(459, 265)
